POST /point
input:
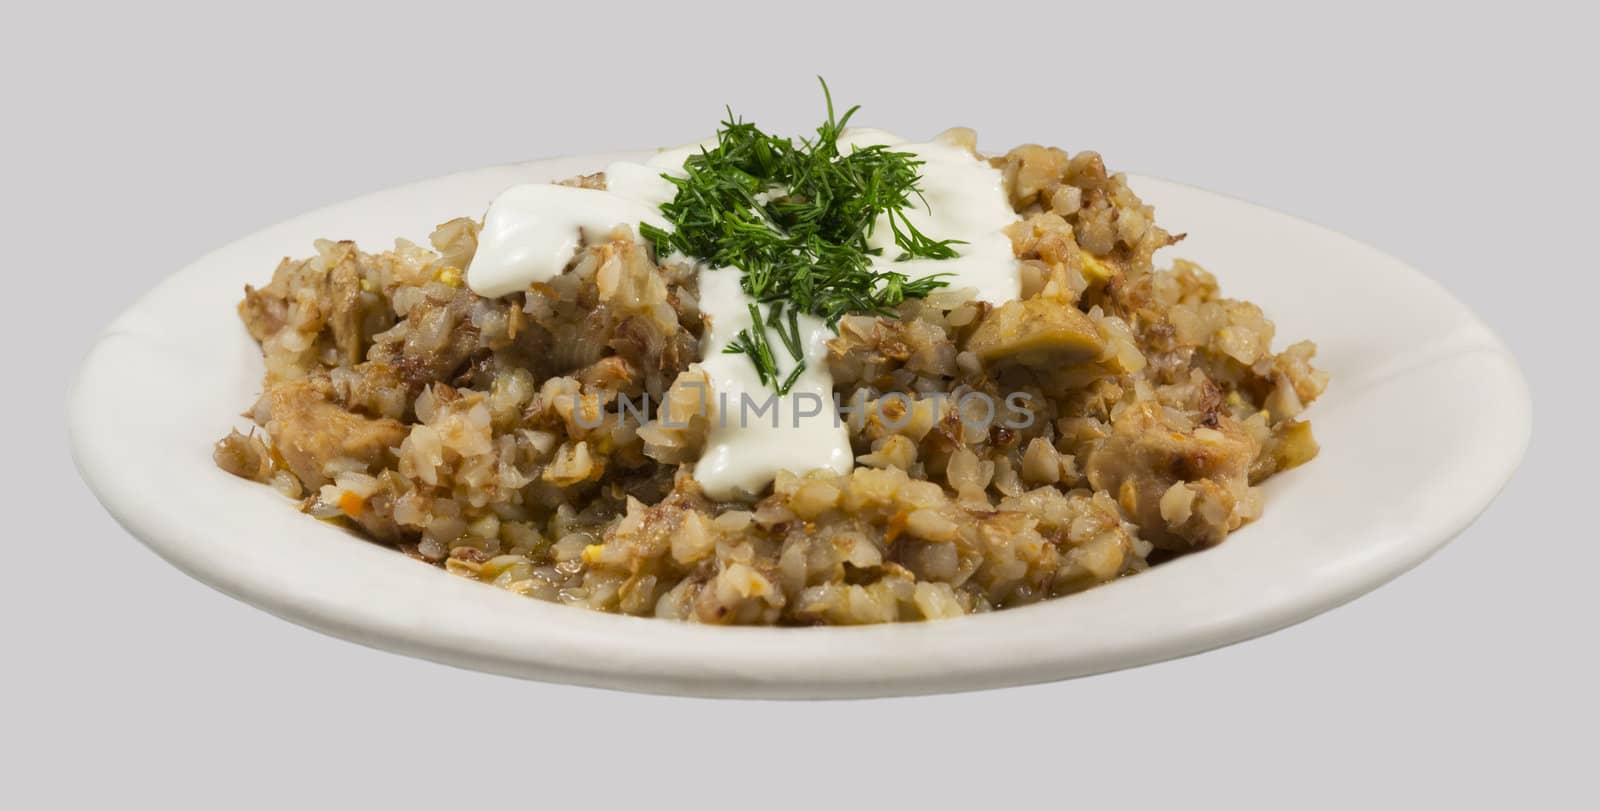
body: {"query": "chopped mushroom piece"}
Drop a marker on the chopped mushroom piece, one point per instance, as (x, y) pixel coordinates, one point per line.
(310, 431)
(1038, 333)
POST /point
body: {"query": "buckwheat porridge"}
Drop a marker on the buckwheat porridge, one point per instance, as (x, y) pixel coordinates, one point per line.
(834, 380)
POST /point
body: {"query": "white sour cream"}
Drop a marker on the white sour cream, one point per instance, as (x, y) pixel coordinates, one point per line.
(532, 232)
(966, 200)
(756, 432)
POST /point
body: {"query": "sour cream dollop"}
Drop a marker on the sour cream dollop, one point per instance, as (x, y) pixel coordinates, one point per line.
(532, 232)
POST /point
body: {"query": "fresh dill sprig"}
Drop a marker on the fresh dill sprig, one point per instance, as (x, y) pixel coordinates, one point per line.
(795, 219)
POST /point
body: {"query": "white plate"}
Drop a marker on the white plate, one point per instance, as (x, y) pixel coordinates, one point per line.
(1426, 418)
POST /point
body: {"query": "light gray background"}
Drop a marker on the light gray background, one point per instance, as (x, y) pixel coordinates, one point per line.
(140, 136)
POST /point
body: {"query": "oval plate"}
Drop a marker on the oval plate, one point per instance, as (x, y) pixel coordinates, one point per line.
(1425, 420)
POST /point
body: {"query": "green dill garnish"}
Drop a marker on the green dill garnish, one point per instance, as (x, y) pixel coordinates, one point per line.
(795, 220)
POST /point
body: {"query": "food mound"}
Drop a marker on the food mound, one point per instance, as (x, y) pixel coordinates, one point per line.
(488, 434)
